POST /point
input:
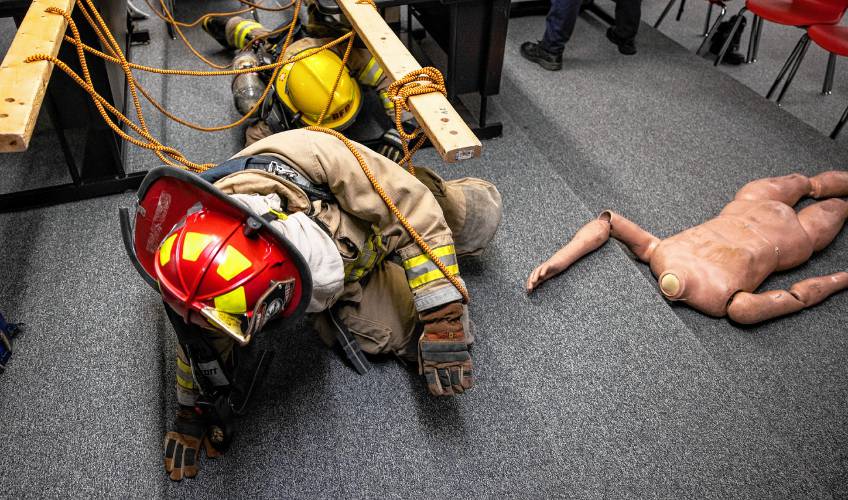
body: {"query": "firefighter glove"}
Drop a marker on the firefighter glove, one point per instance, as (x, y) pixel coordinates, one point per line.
(443, 356)
(182, 445)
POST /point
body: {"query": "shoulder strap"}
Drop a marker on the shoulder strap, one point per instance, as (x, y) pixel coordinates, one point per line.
(273, 165)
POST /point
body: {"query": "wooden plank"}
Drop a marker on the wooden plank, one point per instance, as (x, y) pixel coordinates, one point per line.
(445, 128)
(22, 85)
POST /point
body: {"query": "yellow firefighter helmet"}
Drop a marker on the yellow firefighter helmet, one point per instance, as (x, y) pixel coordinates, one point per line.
(304, 87)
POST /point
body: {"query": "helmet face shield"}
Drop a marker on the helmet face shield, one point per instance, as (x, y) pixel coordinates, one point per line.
(274, 301)
(215, 263)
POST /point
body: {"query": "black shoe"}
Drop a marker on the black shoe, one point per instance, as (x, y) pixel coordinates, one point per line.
(534, 52)
(626, 47)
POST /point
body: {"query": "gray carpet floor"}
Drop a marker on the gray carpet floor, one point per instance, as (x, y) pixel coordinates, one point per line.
(592, 387)
(804, 98)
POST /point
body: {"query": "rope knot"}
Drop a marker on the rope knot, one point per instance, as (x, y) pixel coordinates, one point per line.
(417, 82)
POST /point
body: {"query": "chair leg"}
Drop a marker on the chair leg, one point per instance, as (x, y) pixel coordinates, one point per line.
(711, 32)
(786, 66)
(827, 89)
(751, 39)
(757, 40)
(707, 20)
(795, 67)
(835, 133)
(664, 13)
(680, 10)
(726, 46)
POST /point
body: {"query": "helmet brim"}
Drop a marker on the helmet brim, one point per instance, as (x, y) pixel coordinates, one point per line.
(166, 195)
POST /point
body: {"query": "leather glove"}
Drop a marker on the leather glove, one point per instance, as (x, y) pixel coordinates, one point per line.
(182, 445)
(443, 356)
(392, 147)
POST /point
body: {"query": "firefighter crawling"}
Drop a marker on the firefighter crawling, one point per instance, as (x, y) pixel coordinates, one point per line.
(292, 225)
(303, 88)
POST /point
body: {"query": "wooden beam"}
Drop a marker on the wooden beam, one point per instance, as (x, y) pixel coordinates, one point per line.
(444, 127)
(22, 85)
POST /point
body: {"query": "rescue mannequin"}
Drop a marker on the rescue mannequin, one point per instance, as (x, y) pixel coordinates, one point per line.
(717, 266)
(293, 226)
(303, 88)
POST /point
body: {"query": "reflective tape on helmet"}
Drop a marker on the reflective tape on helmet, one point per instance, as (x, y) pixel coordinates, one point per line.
(420, 270)
(233, 302)
(243, 29)
(165, 249)
(234, 263)
(371, 73)
(194, 244)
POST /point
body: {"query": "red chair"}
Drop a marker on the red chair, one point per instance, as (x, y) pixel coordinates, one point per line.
(798, 13)
(831, 38)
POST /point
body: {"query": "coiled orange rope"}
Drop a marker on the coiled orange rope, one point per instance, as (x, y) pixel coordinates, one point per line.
(417, 82)
(454, 280)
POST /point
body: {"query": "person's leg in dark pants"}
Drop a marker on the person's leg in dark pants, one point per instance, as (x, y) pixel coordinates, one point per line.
(559, 25)
(628, 13)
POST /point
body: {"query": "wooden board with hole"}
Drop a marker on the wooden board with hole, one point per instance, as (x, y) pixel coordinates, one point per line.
(444, 127)
(22, 85)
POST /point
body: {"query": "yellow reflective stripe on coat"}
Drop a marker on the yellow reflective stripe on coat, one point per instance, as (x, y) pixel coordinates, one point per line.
(371, 73)
(242, 30)
(420, 270)
(183, 366)
(442, 251)
(384, 98)
(185, 384)
(430, 276)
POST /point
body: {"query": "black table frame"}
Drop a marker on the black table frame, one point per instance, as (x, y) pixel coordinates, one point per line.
(100, 171)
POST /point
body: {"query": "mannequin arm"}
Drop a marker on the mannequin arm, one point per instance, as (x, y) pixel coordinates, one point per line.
(591, 237)
(750, 308)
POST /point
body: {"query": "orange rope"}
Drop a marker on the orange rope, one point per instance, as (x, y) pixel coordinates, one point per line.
(109, 42)
(338, 79)
(416, 82)
(396, 212)
(100, 102)
(419, 82)
(185, 40)
(196, 21)
(167, 16)
(133, 84)
(226, 72)
(262, 7)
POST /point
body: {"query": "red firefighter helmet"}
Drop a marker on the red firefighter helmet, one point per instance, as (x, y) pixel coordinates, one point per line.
(216, 264)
